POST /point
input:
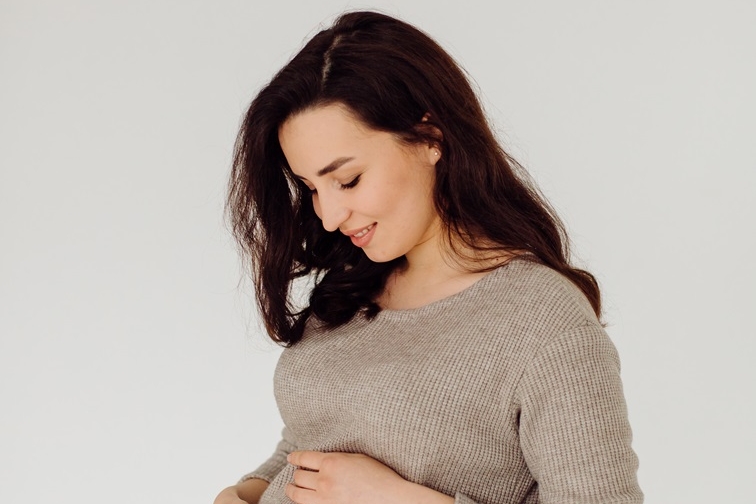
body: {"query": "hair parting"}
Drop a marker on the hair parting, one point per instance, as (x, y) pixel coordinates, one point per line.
(393, 78)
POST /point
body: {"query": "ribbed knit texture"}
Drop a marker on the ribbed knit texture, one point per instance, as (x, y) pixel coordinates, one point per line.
(506, 392)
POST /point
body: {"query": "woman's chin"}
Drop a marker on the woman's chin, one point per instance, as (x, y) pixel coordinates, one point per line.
(379, 256)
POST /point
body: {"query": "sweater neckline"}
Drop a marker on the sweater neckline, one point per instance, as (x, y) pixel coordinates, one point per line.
(471, 290)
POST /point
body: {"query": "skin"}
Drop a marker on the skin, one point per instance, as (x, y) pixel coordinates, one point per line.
(346, 478)
(394, 188)
(248, 492)
(394, 191)
(373, 179)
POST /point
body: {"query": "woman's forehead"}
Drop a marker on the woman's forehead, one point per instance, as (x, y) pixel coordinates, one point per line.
(314, 138)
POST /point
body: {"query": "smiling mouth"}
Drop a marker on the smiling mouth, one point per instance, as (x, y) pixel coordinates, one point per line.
(365, 231)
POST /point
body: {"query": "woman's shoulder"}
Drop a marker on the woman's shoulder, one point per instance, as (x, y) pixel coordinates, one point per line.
(527, 288)
(522, 294)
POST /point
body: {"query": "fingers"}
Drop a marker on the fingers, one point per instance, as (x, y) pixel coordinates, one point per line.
(307, 459)
(304, 478)
(299, 495)
(302, 490)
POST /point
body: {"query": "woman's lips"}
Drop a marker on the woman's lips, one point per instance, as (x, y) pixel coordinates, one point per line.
(362, 237)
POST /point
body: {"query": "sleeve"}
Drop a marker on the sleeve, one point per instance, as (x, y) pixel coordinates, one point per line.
(574, 431)
(271, 467)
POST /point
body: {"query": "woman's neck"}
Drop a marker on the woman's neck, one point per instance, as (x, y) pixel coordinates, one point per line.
(435, 271)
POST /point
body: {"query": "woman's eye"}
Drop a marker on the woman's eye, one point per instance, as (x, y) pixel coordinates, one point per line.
(351, 183)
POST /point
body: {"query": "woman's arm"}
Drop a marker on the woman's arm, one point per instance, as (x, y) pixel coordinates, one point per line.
(574, 431)
(251, 486)
(574, 435)
(246, 492)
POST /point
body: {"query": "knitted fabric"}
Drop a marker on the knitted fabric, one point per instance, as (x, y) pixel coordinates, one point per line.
(506, 392)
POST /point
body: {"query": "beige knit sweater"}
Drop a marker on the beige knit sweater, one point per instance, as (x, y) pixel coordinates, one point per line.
(507, 392)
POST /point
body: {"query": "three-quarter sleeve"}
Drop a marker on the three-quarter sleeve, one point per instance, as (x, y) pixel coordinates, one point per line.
(277, 461)
(574, 430)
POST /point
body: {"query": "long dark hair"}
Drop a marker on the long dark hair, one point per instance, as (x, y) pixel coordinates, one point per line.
(391, 76)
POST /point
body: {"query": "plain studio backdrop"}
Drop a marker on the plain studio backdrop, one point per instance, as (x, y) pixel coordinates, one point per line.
(132, 365)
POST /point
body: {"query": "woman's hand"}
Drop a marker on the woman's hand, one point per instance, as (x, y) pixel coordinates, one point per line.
(229, 496)
(247, 492)
(346, 478)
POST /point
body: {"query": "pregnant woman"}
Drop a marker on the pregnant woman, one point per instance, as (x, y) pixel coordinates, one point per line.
(448, 351)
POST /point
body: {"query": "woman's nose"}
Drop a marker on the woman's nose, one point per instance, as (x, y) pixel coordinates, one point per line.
(331, 212)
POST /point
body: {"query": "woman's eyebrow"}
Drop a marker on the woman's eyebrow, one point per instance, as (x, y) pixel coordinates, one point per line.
(334, 165)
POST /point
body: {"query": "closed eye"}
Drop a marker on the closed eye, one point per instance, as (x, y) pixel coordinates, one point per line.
(351, 183)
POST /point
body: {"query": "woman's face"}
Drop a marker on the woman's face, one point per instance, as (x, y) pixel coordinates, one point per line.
(365, 183)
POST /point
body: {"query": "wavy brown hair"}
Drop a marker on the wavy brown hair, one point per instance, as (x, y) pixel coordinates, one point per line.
(391, 76)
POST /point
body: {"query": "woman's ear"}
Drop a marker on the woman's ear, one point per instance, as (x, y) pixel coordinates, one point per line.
(426, 127)
(434, 155)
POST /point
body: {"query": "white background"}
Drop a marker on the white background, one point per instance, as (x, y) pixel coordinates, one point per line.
(132, 369)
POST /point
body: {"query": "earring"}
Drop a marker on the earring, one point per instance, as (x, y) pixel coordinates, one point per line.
(436, 153)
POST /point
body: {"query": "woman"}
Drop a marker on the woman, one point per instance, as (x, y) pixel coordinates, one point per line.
(448, 351)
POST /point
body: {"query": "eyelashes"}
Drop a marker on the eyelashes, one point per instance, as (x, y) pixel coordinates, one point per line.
(349, 185)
